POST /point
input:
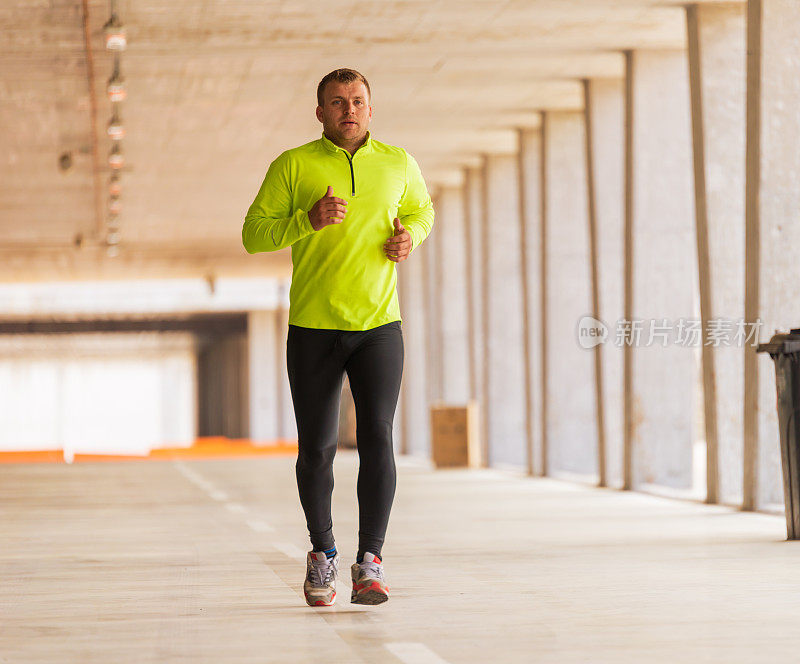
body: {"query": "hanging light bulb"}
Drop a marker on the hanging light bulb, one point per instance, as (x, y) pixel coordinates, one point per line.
(116, 84)
(113, 234)
(115, 129)
(114, 205)
(114, 185)
(115, 34)
(115, 158)
(112, 251)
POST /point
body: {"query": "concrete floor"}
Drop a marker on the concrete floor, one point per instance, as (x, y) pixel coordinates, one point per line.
(202, 561)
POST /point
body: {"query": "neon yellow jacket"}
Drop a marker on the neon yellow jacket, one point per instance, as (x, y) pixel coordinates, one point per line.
(341, 278)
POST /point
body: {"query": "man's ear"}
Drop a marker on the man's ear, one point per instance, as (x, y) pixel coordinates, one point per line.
(319, 113)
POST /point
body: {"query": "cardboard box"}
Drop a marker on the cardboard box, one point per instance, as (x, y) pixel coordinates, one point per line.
(455, 436)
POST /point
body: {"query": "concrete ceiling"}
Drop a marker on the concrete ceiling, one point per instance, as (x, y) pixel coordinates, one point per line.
(217, 88)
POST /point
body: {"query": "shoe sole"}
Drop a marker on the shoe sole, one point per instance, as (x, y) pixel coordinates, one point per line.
(321, 602)
(369, 596)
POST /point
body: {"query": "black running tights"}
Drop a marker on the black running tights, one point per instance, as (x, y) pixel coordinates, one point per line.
(316, 360)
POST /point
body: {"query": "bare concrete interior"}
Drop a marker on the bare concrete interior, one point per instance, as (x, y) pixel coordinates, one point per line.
(629, 159)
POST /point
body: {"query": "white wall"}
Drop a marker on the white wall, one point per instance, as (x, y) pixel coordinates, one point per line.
(97, 393)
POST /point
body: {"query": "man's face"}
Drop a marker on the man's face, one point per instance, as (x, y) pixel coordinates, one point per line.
(345, 113)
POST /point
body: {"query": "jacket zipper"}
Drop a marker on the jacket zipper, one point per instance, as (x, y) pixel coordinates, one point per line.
(352, 174)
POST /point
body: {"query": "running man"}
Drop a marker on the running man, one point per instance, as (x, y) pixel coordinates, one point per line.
(351, 208)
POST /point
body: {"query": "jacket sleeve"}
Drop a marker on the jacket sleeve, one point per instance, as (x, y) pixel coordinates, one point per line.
(271, 223)
(416, 208)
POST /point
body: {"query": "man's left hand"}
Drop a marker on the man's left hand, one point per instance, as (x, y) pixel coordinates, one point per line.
(398, 246)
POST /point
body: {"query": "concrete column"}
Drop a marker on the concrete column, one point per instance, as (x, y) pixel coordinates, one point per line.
(403, 413)
(531, 178)
(287, 426)
(474, 228)
(504, 347)
(665, 378)
(412, 295)
(429, 252)
(772, 230)
(606, 112)
(452, 287)
(264, 370)
(571, 416)
(594, 279)
(717, 67)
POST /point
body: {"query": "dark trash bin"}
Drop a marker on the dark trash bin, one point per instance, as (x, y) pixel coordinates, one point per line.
(784, 349)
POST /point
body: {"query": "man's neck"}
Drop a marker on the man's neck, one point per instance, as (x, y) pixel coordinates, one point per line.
(350, 147)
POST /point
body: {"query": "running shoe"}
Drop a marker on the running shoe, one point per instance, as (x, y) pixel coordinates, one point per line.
(369, 584)
(320, 584)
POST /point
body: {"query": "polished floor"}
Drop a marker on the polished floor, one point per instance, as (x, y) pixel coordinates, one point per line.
(202, 562)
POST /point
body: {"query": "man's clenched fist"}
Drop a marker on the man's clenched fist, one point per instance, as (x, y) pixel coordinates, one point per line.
(398, 246)
(327, 210)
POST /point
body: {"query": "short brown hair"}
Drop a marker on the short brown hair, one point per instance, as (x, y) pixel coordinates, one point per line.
(341, 76)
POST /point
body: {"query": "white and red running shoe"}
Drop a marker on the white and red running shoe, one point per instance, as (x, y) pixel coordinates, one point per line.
(369, 583)
(320, 584)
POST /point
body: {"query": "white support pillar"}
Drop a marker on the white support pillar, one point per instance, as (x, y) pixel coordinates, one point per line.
(452, 286)
(430, 253)
(504, 354)
(474, 229)
(287, 425)
(717, 65)
(772, 229)
(607, 115)
(571, 415)
(414, 409)
(263, 370)
(531, 178)
(665, 375)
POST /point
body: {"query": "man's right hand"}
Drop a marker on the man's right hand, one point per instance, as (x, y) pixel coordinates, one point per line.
(327, 210)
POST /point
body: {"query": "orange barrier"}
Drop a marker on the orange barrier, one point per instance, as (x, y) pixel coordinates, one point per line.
(217, 447)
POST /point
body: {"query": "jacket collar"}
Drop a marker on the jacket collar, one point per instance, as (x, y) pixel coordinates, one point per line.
(330, 146)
